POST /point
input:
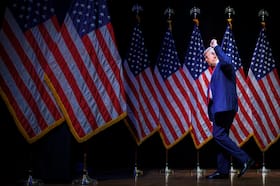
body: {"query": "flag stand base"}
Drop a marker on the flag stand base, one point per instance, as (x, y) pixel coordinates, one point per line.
(84, 180)
(137, 173)
(198, 172)
(167, 172)
(31, 181)
(264, 170)
(232, 170)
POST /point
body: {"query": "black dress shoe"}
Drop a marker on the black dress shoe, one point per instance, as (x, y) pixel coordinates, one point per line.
(245, 167)
(217, 175)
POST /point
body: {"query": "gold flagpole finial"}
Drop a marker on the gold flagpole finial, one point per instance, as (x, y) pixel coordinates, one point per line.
(263, 14)
(136, 8)
(169, 12)
(195, 12)
(230, 12)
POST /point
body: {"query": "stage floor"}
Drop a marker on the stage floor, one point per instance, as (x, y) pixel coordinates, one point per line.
(190, 178)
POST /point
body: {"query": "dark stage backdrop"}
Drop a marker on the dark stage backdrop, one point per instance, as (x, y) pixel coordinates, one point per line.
(57, 157)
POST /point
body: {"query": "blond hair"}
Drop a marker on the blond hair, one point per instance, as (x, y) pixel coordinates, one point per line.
(209, 49)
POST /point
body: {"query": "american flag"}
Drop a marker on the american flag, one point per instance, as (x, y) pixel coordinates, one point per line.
(142, 106)
(198, 76)
(86, 70)
(241, 129)
(173, 96)
(26, 38)
(264, 91)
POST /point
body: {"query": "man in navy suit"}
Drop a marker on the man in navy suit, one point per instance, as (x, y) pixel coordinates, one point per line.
(222, 107)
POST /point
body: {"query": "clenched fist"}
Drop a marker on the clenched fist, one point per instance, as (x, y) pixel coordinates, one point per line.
(213, 43)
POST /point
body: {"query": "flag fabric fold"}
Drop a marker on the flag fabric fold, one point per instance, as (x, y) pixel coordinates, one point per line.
(241, 130)
(264, 91)
(28, 32)
(142, 105)
(86, 70)
(197, 78)
(175, 114)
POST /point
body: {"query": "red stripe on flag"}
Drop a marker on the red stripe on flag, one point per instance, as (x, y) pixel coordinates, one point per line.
(132, 105)
(151, 90)
(16, 109)
(20, 83)
(256, 114)
(165, 117)
(43, 62)
(194, 111)
(151, 110)
(111, 63)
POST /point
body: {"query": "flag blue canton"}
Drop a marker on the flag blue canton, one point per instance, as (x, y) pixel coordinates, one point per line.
(194, 59)
(168, 60)
(230, 48)
(29, 14)
(89, 15)
(262, 61)
(137, 56)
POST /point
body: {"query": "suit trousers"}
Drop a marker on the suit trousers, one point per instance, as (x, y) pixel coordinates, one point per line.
(227, 147)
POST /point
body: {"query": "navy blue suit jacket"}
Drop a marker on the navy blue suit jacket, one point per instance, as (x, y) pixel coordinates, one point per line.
(223, 86)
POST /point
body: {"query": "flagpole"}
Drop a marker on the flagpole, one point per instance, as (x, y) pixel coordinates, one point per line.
(263, 169)
(263, 14)
(198, 172)
(31, 181)
(169, 12)
(136, 8)
(167, 172)
(229, 12)
(85, 179)
(137, 172)
(232, 170)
